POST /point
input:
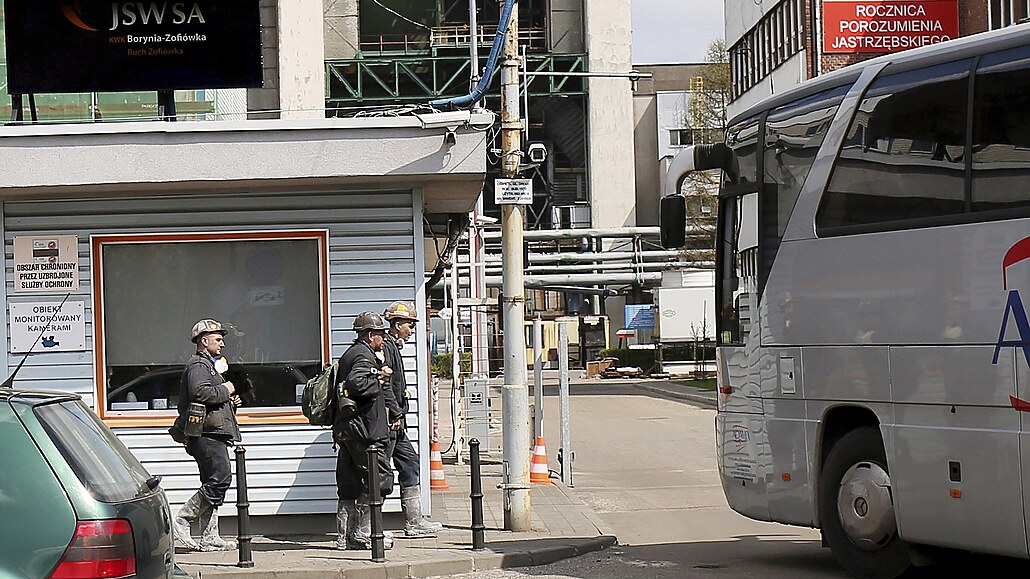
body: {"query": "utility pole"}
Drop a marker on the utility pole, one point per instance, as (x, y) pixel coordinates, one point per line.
(515, 392)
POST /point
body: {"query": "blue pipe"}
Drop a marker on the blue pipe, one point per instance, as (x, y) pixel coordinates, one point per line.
(491, 62)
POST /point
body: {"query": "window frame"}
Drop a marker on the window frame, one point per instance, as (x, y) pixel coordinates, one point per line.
(143, 418)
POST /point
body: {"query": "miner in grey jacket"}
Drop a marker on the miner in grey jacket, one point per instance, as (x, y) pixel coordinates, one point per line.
(202, 383)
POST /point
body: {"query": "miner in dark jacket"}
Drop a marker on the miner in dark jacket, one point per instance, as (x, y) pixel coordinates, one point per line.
(214, 400)
(402, 319)
(362, 379)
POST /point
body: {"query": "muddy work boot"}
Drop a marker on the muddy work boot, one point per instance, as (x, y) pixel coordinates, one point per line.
(211, 540)
(361, 539)
(346, 522)
(415, 525)
(186, 515)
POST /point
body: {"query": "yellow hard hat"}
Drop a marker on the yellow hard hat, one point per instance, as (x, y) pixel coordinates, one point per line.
(401, 311)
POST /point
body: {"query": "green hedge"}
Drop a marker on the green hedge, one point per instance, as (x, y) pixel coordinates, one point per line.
(645, 359)
(443, 365)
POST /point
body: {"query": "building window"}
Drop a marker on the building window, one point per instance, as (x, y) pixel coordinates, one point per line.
(687, 137)
(1004, 13)
(774, 39)
(270, 288)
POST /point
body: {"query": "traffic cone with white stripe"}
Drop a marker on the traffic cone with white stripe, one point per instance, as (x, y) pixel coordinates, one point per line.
(437, 482)
(538, 471)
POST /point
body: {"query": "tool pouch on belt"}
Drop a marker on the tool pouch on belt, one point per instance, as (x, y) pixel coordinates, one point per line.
(195, 419)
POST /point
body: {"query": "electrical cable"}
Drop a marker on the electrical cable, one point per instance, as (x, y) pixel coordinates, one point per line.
(491, 62)
(399, 15)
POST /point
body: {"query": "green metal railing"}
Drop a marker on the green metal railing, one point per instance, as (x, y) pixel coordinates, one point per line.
(413, 79)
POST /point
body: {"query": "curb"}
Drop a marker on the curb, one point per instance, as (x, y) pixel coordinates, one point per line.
(458, 565)
(696, 399)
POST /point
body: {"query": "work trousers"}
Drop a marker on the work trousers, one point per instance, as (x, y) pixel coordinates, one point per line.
(352, 469)
(404, 458)
(212, 456)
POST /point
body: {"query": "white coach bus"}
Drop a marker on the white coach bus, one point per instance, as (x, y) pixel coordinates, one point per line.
(873, 341)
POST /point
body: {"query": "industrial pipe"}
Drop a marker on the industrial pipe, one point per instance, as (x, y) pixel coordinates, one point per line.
(544, 234)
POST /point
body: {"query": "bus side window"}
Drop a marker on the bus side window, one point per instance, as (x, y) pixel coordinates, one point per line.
(1001, 131)
(903, 157)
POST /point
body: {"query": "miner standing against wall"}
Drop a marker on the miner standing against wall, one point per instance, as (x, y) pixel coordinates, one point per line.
(403, 318)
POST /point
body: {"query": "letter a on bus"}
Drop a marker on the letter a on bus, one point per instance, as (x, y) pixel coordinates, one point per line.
(1015, 306)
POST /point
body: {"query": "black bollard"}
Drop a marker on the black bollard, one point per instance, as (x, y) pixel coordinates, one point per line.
(478, 528)
(243, 508)
(376, 504)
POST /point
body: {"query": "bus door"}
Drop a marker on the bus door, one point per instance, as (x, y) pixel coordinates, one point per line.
(742, 443)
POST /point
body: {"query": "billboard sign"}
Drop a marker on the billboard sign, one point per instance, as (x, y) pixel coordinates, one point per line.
(108, 46)
(887, 25)
(639, 316)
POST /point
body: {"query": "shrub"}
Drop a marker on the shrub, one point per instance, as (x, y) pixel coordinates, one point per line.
(443, 365)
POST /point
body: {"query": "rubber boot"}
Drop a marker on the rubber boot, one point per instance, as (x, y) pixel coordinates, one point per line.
(186, 515)
(415, 525)
(362, 536)
(211, 540)
(346, 522)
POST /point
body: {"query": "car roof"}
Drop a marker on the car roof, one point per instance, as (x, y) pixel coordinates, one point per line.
(33, 397)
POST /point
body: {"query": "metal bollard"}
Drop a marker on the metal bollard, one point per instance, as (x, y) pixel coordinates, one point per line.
(478, 528)
(243, 508)
(376, 505)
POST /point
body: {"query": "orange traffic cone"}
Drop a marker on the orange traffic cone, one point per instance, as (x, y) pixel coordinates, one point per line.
(538, 471)
(437, 482)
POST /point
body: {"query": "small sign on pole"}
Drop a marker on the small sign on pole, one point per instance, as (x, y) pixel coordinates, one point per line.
(513, 191)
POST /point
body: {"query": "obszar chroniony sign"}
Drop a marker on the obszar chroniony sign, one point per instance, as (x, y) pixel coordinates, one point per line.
(107, 46)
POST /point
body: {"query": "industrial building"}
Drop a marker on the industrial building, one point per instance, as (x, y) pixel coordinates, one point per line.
(776, 45)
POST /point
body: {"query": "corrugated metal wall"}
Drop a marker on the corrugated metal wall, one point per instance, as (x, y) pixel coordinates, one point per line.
(373, 261)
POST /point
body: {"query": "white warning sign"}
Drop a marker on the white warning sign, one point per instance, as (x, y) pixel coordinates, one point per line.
(46, 263)
(48, 327)
(513, 191)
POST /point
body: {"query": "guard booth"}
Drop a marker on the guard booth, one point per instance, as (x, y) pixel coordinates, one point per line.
(123, 235)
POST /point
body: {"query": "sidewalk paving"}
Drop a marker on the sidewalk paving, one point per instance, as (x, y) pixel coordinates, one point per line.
(563, 526)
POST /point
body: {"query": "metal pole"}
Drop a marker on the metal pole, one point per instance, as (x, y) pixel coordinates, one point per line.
(376, 504)
(568, 456)
(538, 377)
(478, 528)
(243, 508)
(474, 47)
(515, 392)
(456, 392)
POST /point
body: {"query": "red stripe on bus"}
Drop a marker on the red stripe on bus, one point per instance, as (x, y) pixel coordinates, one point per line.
(1015, 254)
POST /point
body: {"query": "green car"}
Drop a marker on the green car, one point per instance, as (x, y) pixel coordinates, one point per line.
(74, 502)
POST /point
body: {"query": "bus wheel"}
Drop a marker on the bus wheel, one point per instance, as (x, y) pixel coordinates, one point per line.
(857, 509)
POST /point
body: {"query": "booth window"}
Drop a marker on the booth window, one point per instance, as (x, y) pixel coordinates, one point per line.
(269, 289)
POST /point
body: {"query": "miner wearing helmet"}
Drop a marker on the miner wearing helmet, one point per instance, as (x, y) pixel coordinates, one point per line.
(364, 379)
(207, 426)
(403, 318)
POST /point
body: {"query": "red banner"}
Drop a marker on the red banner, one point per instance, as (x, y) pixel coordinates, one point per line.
(887, 25)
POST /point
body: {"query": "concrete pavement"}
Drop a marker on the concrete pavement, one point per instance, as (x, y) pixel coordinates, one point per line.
(563, 526)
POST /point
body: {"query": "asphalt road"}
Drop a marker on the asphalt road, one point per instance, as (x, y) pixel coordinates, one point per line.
(646, 465)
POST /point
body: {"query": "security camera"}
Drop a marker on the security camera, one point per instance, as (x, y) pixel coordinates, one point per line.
(536, 152)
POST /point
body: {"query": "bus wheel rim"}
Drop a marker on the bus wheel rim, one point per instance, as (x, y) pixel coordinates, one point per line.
(865, 506)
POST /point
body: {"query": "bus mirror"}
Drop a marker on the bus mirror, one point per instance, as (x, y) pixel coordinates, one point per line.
(698, 158)
(673, 218)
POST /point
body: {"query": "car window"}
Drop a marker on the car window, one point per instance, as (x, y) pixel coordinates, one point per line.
(100, 461)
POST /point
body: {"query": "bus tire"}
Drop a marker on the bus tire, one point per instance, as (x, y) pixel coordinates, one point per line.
(856, 507)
